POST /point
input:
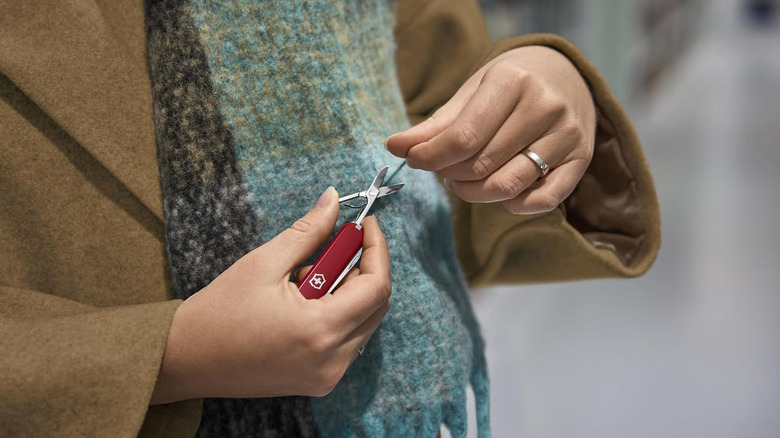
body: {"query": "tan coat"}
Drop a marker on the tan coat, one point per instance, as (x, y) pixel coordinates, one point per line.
(85, 302)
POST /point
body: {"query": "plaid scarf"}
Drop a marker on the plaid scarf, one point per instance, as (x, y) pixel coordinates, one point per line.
(260, 105)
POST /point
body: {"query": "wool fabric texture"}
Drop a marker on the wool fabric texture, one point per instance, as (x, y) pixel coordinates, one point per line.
(260, 105)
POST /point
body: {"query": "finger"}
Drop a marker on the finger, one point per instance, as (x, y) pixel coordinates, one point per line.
(376, 256)
(476, 124)
(354, 272)
(295, 244)
(355, 300)
(523, 127)
(514, 177)
(551, 191)
(300, 273)
(400, 143)
(362, 335)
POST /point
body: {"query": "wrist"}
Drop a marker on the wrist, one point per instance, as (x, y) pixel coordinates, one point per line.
(175, 379)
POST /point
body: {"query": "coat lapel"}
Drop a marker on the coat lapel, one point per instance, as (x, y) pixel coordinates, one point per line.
(84, 65)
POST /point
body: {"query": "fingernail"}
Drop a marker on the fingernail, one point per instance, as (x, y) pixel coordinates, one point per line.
(325, 197)
(386, 140)
(448, 183)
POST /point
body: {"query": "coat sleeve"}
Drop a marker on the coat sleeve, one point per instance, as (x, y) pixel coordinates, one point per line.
(70, 369)
(609, 226)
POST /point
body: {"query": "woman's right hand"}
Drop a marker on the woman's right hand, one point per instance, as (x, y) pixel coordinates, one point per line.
(250, 333)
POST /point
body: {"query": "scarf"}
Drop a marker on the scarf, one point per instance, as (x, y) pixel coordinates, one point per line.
(260, 105)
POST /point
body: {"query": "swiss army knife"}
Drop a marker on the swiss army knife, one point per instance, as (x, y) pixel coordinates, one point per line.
(344, 251)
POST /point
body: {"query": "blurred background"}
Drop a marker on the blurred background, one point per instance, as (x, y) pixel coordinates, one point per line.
(692, 349)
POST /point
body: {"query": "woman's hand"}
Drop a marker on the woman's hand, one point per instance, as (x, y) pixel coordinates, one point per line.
(530, 97)
(250, 333)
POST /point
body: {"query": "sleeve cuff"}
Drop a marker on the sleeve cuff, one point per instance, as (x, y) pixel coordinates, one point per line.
(76, 370)
(608, 227)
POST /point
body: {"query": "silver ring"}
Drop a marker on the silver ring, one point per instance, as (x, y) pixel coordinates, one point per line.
(543, 167)
(361, 349)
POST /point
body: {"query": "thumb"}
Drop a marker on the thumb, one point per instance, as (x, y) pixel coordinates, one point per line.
(295, 244)
(400, 143)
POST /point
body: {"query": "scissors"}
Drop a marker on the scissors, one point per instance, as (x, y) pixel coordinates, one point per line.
(344, 251)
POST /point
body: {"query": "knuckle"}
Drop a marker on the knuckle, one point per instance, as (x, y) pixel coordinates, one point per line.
(466, 137)
(556, 107)
(510, 185)
(329, 340)
(482, 166)
(303, 225)
(384, 288)
(521, 77)
(314, 344)
(387, 292)
(319, 338)
(573, 131)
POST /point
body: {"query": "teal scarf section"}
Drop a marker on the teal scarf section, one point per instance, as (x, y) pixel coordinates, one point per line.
(277, 100)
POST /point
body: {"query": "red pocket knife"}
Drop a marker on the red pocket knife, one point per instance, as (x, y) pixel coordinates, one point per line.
(345, 249)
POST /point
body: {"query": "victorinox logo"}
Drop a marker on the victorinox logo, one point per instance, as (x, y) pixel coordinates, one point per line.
(317, 281)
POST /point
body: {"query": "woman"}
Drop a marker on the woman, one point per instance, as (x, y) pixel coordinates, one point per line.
(256, 107)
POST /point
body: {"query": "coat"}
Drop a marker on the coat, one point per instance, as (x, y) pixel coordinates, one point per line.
(85, 298)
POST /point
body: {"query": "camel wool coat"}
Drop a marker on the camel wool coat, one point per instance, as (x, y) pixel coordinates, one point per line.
(85, 299)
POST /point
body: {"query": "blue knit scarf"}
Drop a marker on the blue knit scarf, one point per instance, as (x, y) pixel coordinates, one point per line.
(260, 105)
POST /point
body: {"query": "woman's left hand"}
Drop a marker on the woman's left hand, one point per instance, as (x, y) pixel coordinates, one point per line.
(530, 97)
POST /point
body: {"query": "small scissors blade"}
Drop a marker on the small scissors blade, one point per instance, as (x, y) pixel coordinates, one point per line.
(383, 191)
(371, 193)
(389, 190)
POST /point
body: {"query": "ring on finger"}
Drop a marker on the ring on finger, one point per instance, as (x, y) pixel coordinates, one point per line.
(543, 166)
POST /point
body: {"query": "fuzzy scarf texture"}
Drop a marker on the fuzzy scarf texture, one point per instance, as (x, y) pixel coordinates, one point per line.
(259, 106)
